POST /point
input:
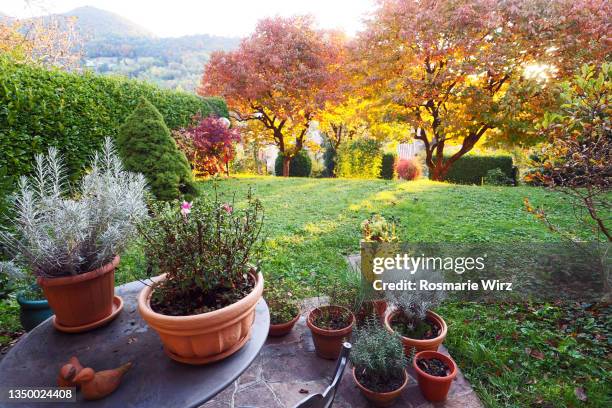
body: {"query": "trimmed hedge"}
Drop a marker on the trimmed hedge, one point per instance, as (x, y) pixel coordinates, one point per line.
(300, 165)
(359, 158)
(471, 169)
(387, 169)
(40, 108)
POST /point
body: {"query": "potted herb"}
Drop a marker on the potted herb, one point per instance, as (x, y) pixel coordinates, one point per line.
(435, 374)
(417, 325)
(71, 242)
(332, 324)
(284, 308)
(202, 304)
(378, 364)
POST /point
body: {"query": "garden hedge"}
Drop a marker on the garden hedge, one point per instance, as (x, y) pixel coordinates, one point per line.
(387, 169)
(471, 169)
(359, 158)
(300, 165)
(40, 108)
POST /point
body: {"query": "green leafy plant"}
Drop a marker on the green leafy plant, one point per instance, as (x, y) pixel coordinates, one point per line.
(281, 298)
(207, 249)
(360, 158)
(387, 169)
(472, 168)
(147, 147)
(497, 177)
(377, 228)
(378, 357)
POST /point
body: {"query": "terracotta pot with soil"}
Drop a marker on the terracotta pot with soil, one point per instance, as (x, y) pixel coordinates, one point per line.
(428, 336)
(330, 327)
(435, 374)
(85, 301)
(282, 329)
(205, 337)
(384, 395)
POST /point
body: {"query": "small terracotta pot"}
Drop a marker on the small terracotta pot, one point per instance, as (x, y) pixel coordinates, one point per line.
(420, 345)
(328, 343)
(82, 301)
(434, 388)
(381, 399)
(282, 329)
(380, 305)
(206, 337)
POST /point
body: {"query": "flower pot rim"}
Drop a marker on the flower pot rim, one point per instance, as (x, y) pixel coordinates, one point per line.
(328, 332)
(427, 354)
(38, 303)
(442, 335)
(292, 321)
(144, 305)
(82, 277)
(382, 394)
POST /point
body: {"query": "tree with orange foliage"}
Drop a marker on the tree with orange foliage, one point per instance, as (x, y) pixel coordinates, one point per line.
(455, 70)
(281, 76)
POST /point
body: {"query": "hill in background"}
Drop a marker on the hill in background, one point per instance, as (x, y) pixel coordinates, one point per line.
(115, 45)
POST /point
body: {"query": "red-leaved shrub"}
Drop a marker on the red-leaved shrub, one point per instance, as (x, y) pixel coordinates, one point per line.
(408, 169)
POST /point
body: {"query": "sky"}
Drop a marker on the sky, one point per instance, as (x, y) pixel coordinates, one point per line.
(234, 18)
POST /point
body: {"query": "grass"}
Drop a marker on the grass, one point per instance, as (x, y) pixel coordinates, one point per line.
(514, 355)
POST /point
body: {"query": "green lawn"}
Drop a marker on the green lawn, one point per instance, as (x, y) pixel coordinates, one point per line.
(514, 355)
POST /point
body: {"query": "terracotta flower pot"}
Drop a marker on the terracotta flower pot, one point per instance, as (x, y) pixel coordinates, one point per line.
(420, 345)
(381, 399)
(328, 343)
(434, 388)
(282, 329)
(206, 337)
(83, 302)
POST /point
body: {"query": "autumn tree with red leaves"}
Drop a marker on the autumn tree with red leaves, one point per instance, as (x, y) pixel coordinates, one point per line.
(281, 76)
(455, 70)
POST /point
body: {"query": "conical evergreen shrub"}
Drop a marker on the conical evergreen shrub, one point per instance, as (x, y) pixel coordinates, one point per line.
(146, 146)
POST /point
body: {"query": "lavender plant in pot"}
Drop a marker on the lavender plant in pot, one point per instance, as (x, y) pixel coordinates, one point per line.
(70, 239)
(379, 363)
(202, 304)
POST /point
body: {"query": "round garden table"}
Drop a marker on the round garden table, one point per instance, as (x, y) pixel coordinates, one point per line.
(154, 379)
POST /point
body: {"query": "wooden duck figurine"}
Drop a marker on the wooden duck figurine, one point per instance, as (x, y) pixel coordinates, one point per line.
(98, 385)
(68, 371)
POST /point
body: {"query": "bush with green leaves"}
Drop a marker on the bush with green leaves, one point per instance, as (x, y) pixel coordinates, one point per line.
(281, 297)
(73, 112)
(146, 146)
(378, 357)
(472, 168)
(359, 158)
(300, 165)
(496, 177)
(329, 159)
(387, 169)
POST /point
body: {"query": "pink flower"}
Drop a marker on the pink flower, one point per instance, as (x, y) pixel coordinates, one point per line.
(228, 208)
(185, 208)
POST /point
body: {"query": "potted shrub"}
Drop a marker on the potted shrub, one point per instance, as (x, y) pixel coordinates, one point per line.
(71, 243)
(202, 304)
(379, 239)
(378, 364)
(435, 374)
(332, 324)
(417, 325)
(284, 308)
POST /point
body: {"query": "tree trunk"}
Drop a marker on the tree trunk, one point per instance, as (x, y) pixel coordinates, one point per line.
(286, 161)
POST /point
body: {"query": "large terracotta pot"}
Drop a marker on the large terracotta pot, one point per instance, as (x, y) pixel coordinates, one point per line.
(83, 302)
(420, 345)
(206, 337)
(434, 388)
(381, 399)
(328, 343)
(282, 329)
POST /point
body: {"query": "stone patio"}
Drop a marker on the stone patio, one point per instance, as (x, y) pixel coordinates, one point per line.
(287, 370)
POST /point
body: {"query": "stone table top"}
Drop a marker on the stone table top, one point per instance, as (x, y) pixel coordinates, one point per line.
(154, 380)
